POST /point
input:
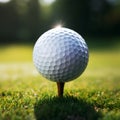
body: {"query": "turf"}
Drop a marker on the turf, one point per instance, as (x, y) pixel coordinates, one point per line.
(25, 95)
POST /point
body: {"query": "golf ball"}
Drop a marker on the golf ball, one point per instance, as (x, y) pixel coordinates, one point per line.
(60, 54)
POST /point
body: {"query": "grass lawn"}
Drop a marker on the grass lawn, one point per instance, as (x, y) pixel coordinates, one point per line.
(25, 95)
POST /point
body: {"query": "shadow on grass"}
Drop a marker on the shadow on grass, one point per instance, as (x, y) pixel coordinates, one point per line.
(66, 108)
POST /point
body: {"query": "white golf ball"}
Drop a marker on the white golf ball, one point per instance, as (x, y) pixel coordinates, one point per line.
(60, 54)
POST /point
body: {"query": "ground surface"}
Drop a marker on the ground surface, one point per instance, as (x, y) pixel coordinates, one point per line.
(25, 95)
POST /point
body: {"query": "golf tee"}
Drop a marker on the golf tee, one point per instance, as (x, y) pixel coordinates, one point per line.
(60, 87)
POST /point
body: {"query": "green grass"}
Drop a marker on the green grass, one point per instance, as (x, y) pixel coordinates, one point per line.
(25, 95)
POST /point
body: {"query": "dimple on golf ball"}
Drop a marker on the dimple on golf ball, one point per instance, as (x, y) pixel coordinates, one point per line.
(60, 54)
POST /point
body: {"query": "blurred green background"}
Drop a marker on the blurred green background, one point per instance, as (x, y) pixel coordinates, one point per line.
(25, 95)
(23, 21)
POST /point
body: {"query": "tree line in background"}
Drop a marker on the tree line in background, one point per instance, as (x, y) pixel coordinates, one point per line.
(26, 20)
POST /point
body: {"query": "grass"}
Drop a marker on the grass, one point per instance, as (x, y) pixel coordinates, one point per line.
(25, 95)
